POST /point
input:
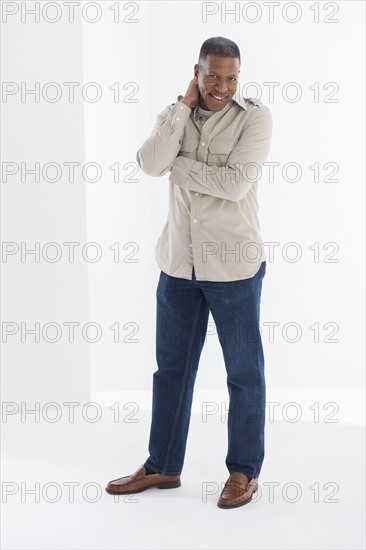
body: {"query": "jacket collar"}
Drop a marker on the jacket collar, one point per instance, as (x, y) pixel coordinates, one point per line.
(243, 102)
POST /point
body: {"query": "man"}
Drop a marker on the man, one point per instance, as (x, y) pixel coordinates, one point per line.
(212, 258)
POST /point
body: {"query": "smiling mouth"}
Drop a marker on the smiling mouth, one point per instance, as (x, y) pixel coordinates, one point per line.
(218, 98)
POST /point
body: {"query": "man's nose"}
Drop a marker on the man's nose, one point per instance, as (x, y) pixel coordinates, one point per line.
(221, 86)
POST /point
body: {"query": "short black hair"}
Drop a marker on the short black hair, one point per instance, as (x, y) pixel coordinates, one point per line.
(220, 46)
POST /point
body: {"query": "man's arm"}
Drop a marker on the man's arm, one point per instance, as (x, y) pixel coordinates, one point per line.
(243, 166)
(158, 152)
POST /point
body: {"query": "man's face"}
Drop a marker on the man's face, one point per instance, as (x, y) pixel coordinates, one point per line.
(217, 81)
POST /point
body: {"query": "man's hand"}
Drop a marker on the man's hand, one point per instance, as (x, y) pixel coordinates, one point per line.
(192, 95)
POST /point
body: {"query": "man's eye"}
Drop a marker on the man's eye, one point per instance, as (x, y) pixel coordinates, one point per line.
(232, 78)
(212, 76)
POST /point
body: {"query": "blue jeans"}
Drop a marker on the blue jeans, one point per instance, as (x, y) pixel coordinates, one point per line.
(183, 308)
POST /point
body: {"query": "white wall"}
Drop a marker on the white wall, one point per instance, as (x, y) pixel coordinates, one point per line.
(158, 53)
(42, 212)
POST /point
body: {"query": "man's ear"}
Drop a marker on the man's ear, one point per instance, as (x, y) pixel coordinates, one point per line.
(196, 70)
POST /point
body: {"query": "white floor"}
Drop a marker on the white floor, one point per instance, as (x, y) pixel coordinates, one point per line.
(315, 470)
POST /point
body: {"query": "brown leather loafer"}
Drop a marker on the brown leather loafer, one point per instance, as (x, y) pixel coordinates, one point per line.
(139, 481)
(238, 490)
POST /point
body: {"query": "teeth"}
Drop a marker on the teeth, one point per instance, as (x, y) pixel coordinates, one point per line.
(216, 97)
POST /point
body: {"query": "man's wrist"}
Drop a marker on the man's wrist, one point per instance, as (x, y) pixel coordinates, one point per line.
(185, 101)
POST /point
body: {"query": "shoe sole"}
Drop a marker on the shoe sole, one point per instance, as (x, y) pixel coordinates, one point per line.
(167, 485)
(240, 503)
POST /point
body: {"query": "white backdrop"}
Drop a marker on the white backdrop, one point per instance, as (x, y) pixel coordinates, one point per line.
(304, 60)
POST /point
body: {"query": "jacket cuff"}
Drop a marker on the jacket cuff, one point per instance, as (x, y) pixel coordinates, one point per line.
(179, 114)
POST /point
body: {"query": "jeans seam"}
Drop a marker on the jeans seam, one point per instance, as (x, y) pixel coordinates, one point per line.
(263, 415)
(184, 383)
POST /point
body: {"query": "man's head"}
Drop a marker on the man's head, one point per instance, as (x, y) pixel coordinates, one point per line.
(217, 72)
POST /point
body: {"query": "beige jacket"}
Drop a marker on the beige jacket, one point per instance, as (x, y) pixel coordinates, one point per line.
(214, 166)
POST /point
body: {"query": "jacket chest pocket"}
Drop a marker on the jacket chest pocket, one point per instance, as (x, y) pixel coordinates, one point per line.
(218, 152)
